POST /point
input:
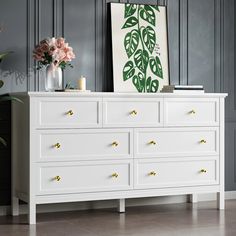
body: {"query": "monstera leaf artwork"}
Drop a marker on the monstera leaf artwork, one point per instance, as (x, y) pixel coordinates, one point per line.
(139, 43)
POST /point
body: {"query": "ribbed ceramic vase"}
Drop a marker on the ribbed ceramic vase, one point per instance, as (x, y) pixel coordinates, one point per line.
(53, 79)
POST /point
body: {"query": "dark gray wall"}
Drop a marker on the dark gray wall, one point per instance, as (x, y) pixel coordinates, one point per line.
(201, 51)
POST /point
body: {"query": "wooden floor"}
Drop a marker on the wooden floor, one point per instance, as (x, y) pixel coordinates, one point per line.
(166, 220)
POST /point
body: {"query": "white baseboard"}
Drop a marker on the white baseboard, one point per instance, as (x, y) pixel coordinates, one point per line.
(77, 206)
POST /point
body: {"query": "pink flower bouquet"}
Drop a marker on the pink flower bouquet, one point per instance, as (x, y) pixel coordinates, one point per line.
(53, 50)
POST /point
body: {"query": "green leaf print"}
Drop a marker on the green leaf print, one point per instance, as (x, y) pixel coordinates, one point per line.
(141, 59)
(130, 22)
(139, 82)
(156, 67)
(139, 44)
(156, 7)
(130, 9)
(149, 38)
(131, 42)
(148, 14)
(128, 70)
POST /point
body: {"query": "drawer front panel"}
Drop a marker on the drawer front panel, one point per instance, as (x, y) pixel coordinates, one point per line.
(84, 177)
(191, 112)
(67, 113)
(154, 174)
(132, 112)
(86, 144)
(176, 142)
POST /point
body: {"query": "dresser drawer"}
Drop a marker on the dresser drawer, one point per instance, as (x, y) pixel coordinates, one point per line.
(132, 112)
(191, 112)
(167, 142)
(83, 144)
(84, 177)
(66, 112)
(153, 173)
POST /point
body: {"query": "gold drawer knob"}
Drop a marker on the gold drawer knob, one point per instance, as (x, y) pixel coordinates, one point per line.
(57, 145)
(57, 178)
(114, 175)
(70, 113)
(192, 112)
(114, 144)
(203, 171)
(152, 142)
(203, 141)
(152, 173)
(134, 113)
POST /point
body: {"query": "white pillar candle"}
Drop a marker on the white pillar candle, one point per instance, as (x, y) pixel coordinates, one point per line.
(82, 83)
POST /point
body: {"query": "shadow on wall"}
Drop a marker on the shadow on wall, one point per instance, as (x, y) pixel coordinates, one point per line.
(13, 72)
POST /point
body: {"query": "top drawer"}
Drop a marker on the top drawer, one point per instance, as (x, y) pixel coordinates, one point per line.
(132, 112)
(66, 112)
(191, 112)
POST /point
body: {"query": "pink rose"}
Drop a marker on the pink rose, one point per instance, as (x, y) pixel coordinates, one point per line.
(60, 43)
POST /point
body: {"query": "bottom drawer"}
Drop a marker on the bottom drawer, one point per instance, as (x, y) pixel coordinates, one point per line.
(151, 173)
(83, 177)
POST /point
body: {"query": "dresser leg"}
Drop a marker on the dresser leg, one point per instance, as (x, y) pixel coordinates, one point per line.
(15, 206)
(32, 214)
(121, 205)
(221, 200)
(193, 198)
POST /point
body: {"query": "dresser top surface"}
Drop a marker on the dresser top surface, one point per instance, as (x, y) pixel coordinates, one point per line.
(112, 94)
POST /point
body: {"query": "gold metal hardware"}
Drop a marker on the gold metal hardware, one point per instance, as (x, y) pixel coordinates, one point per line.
(203, 141)
(134, 113)
(114, 175)
(57, 178)
(203, 171)
(152, 173)
(115, 144)
(70, 113)
(57, 145)
(192, 112)
(152, 142)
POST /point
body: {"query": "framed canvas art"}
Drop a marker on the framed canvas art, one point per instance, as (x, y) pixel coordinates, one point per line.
(139, 47)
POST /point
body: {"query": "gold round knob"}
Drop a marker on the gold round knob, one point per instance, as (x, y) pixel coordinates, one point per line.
(57, 145)
(134, 112)
(152, 142)
(70, 113)
(152, 173)
(192, 112)
(203, 171)
(203, 141)
(114, 175)
(57, 178)
(115, 144)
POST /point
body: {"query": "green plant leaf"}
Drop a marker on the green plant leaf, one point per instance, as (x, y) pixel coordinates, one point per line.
(148, 14)
(131, 42)
(141, 59)
(4, 98)
(2, 141)
(130, 22)
(139, 82)
(156, 67)
(154, 86)
(148, 84)
(130, 9)
(128, 70)
(149, 38)
(2, 55)
(156, 7)
(1, 83)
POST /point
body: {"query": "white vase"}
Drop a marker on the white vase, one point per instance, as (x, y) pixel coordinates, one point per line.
(53, 80)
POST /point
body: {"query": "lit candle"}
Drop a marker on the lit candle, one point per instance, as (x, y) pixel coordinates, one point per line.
(82, 83)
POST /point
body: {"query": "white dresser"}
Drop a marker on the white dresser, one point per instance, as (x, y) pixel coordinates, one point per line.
(70, 147)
